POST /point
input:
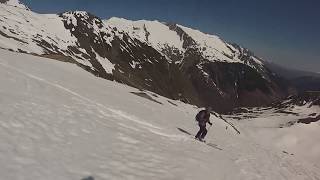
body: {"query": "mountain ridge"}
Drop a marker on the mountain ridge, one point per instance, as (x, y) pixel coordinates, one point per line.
(197, 68)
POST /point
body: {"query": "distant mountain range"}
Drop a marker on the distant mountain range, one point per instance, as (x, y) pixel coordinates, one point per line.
(290, 73)
(169, 59)
(301, 80)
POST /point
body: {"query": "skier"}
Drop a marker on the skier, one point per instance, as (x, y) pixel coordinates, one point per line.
(203, 117)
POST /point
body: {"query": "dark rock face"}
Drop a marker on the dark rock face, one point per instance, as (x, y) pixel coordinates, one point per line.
(89, 32)
(136, 63)
(224, 85)
(228, 85)
(309, 120)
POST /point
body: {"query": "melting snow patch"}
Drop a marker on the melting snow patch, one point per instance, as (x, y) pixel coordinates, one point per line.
(106, 64)
(134, 64)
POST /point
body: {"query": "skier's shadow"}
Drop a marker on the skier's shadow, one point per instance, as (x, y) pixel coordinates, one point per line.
(184, 131)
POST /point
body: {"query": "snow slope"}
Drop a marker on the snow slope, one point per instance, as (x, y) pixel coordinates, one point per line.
(60, 122)
(280, 129)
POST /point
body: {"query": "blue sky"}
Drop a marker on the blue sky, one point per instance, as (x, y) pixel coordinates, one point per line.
(283, 31)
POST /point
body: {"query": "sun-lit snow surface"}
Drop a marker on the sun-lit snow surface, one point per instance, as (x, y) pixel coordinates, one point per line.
(60, 122)
(301, 140)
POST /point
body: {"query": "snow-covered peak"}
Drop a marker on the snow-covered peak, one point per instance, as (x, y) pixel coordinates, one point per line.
(155, 33)
(120, 23)
(211, 46)
(83, 14)
(15, 3)
(88, 22)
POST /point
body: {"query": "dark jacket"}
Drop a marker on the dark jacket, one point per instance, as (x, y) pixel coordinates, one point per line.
(203, 118)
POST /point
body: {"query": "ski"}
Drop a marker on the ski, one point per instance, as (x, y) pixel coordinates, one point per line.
(215, 146)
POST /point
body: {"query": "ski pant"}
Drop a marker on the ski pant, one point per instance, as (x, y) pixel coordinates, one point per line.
(202, 132)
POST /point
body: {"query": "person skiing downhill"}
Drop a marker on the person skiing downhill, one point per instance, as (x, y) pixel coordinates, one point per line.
(203, 117)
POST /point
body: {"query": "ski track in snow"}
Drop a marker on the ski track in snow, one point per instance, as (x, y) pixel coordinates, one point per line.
(52, 131)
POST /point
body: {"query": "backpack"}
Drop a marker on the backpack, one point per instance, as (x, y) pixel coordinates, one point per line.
(198, 116)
